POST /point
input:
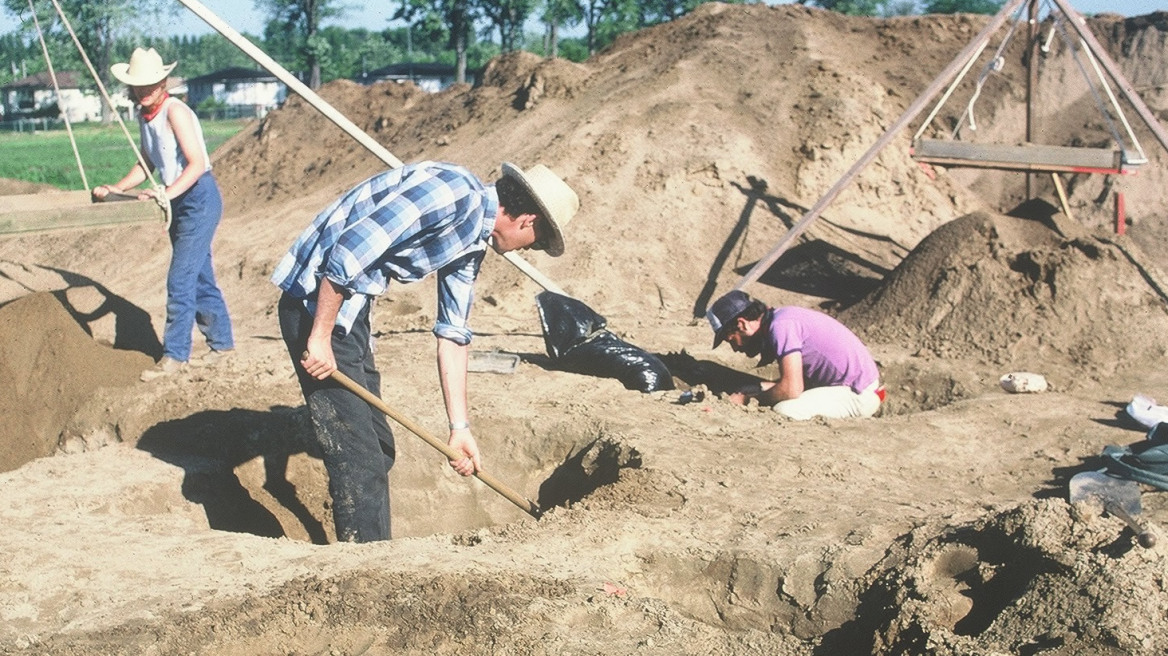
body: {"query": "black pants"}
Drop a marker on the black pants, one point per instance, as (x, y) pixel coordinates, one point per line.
(355, 438)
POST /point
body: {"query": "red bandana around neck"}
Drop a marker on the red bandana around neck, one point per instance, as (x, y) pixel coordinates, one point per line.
(150, 114)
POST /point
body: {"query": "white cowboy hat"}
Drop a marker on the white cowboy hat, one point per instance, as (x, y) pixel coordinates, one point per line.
(145, 68)
(557, 202)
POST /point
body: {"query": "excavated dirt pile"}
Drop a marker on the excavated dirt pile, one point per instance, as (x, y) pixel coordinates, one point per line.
(1012, 292)
(191, 514)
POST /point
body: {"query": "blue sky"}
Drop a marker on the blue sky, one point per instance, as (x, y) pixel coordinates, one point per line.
(375, 14)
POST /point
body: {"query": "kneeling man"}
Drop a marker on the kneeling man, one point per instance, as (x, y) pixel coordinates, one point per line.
(824, 369)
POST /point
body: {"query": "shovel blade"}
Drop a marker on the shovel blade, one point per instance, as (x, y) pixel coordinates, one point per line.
(1114, 493)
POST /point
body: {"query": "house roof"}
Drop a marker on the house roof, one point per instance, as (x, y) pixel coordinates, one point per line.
(233, 74)
(414, 68)
(66, 80)
(42, 80)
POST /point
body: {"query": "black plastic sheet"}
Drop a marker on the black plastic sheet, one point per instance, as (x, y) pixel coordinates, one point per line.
(577, 340)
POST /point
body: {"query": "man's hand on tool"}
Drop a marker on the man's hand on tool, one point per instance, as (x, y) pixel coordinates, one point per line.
(463, 442)
(318, 358)
(319, 361)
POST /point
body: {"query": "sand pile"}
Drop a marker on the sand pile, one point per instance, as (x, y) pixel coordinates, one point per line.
(1011, 292)
(52, 368)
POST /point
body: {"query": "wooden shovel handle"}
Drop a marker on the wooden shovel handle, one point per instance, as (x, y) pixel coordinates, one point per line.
(1146, 538)
(527, 505)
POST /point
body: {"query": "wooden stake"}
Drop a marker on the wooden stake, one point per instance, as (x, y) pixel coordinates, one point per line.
(1062, 195)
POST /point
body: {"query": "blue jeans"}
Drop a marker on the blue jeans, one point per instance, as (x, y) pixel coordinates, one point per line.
(355, 438)
(192, 295)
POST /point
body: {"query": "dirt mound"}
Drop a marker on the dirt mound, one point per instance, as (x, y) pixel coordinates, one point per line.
(51, 367)
(1012, 292)
(746, 114)
(718, 130)
(1041, 578)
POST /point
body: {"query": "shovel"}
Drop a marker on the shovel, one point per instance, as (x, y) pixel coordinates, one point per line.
(527, 505)
(1119, 496)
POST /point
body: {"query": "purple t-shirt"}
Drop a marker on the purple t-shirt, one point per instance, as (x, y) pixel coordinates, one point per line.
(832, 354)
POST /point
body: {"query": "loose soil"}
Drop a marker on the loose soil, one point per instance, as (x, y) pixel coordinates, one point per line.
(191, 514)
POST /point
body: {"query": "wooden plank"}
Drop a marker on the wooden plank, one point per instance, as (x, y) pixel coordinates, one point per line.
(1025, 157)
(66, 210)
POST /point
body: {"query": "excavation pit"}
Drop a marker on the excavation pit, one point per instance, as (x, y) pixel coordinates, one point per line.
(260, 473)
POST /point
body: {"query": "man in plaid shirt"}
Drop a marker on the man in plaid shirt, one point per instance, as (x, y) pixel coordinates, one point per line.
(402, 224)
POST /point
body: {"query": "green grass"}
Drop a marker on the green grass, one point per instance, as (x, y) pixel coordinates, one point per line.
(47, 157)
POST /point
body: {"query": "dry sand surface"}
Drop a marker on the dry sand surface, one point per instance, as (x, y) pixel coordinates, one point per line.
(190, 515)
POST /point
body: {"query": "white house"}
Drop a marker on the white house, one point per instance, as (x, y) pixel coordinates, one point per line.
(239, 91)
(429, 76)
(35, 97)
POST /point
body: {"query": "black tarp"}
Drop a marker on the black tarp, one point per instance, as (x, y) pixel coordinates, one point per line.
(578, 340)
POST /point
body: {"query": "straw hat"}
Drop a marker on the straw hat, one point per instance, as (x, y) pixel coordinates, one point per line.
(145, 68)
(557, 202)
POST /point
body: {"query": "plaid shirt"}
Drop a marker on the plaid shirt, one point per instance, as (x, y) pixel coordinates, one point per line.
(404, 224)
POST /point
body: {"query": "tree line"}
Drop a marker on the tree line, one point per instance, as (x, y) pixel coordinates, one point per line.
(463, 33)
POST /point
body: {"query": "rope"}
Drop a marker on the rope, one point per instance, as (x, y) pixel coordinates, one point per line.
(994, 65)
(160, 192)
(952, 87)
(961, 76)
(57, 90)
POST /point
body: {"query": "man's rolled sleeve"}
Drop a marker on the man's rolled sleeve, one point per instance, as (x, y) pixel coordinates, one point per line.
(347, 271)
(455, 296)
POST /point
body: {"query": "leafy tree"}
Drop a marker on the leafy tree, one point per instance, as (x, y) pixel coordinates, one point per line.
(353, 53)
(299, 21)
(652, 12)
(963, 6)
(454, 17)
(97, 24)
(556, 14)
(508, 16)
(20, 57)
(573, 49)
(609, 16)
(899, 8)
(197, 55)
(374, 51)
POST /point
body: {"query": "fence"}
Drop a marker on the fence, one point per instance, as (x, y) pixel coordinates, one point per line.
(42, 124)
(45, 124)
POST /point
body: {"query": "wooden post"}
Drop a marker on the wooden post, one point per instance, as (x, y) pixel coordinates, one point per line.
(1031, 86)
(1120, 214)
(1125, 87)
(1062, 194)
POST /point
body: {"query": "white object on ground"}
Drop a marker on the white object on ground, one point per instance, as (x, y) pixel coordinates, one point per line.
(1020, 382)
(1144, 410)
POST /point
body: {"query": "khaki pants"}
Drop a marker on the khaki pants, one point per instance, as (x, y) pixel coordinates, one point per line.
(833, 402)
